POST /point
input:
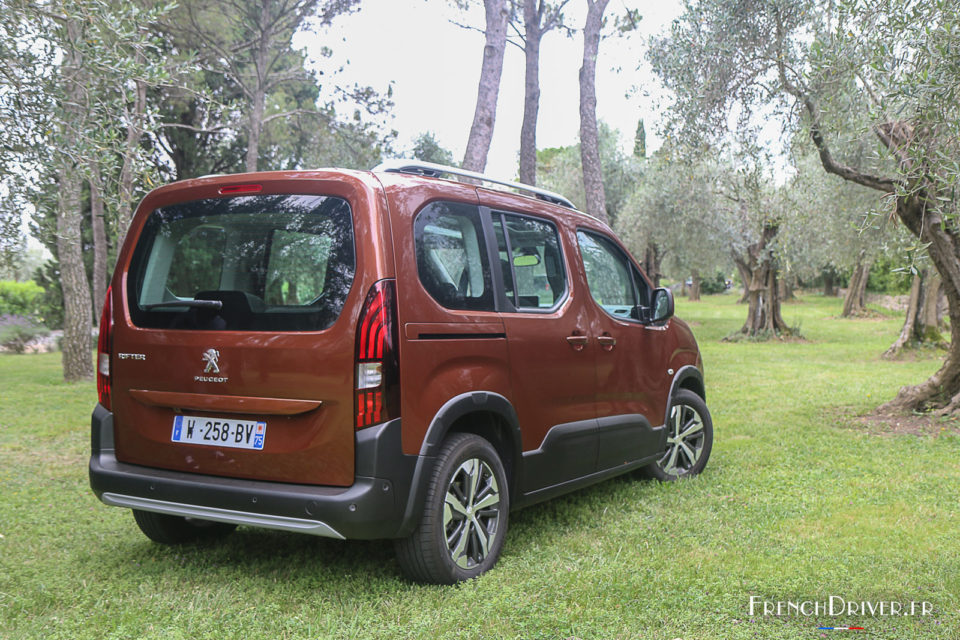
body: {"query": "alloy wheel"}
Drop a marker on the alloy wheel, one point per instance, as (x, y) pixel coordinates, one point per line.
(471, 512)
(685, 441)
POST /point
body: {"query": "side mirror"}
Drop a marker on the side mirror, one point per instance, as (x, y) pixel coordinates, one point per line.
(661, 305)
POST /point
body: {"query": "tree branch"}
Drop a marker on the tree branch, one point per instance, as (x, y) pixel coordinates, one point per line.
(293, 112)
(190, 127)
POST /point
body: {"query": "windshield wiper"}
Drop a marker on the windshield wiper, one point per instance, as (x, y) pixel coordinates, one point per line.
(200, 304)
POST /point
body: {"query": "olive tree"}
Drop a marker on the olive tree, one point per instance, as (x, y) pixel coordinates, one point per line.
(67, 102)
(840, 69)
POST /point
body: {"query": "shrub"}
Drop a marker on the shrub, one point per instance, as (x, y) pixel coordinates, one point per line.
(20, 298)
(888, 275)
(717, 284)
(16, 332)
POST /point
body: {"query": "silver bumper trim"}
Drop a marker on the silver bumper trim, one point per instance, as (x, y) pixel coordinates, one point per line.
(283, 523)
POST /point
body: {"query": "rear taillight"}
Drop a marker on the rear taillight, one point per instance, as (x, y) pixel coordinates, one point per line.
(378, 371)
(104, 347)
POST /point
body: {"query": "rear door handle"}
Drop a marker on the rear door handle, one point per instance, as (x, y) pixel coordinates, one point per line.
(577, 342)
(607, 342)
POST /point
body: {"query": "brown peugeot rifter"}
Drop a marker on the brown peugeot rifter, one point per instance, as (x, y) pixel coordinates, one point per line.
(382, 354)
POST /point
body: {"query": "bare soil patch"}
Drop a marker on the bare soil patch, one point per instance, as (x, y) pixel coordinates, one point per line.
(891, 424)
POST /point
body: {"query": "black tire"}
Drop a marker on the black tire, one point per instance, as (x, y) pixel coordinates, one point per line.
(689, 439)
(448, 543)
(167, 529)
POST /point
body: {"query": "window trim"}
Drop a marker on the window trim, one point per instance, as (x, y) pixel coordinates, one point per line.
(631, 267)
(508, 304)
(484, 234)
(138, 262)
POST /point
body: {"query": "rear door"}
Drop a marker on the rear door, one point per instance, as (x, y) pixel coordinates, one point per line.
(234, 351)
(552, 360)
(452, 340)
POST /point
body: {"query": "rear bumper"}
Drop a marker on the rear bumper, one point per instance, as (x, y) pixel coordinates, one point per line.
(381, 503)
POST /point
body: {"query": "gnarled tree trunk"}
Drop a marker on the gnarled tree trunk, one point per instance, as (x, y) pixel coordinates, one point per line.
(854, 304)
(744, 272)
(763, 292)
(942, 390)
(922, 324)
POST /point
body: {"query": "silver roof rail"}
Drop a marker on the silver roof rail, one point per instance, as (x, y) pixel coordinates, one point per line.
(433, 170)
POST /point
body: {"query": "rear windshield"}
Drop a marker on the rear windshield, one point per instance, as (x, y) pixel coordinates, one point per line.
(248, 263)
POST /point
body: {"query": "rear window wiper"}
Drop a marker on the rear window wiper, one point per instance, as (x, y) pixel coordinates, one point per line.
(201, 304)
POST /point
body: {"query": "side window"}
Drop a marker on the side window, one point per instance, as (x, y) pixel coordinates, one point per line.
(452, 257)
(608, 275)
(530, 260)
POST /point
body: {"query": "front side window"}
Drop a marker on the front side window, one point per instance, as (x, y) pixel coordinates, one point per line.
(608, 275)
(451, 256)
(255, 263)
(531, 261)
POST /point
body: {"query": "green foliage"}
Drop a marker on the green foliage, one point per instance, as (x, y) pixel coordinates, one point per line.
(51, 304)
(714, 285)
(428, 149)
(640, 140)
(888, 275)
(20, 298)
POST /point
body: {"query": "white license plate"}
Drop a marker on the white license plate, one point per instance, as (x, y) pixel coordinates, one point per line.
(219, 432)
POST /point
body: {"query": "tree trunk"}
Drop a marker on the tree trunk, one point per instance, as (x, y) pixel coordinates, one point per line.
(786, 286)
(99, 239)
(125, 186)
(651, 263)
(745, 277)
(829, 285)
(763, 313)
(259, 97)
(854, 304)
(485, 114)
(596, 201)
(531, 92)
(77, 313)
(921, 325)
(694, 286)
(942, 390)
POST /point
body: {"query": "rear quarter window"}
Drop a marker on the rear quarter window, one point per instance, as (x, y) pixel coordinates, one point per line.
(452, 259)
(274, 263)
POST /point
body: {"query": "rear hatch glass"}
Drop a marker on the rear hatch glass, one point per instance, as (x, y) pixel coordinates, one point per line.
(247, 263)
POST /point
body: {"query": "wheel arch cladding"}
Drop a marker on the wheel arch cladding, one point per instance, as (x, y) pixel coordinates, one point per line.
(488, 415)
(689, 378)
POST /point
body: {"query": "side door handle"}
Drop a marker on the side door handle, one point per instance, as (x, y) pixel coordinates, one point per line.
(607, 342)
(578, 342)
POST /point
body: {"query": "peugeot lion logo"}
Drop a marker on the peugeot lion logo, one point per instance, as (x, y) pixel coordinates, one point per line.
(211, 357)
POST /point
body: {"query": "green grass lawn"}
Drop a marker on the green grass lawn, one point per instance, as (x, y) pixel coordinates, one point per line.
(798, 502)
